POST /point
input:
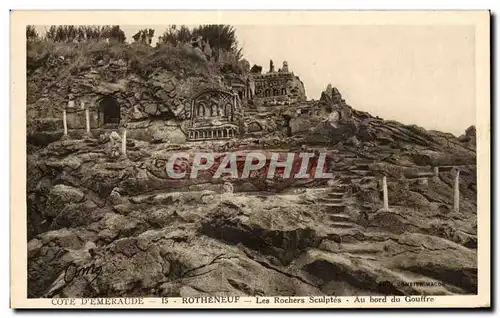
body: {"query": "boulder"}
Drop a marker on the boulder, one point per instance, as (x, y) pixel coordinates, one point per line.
(59, 196)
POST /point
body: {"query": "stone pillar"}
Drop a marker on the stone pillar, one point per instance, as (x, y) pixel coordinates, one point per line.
(192, 112)
(234, 107)
(436, 174)
(87, 120)
(124, 142)
(65, 123)
(456, 196)
(386, 195)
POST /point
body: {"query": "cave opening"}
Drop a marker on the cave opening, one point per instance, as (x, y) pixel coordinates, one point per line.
(110, 110)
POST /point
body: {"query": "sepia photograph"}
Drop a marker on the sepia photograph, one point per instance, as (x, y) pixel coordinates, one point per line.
(297, 164)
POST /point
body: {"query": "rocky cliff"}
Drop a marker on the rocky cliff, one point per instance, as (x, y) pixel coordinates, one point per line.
(146, 235)
(152, 86)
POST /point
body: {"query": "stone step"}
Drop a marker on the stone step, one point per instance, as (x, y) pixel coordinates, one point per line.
(365, 178)
(344, 155)
(361, 172)
(340, 170)
(326, 201)
(337, 231)
(362, 166)
(344, 225)
(355, 175)
(348, 176)
(340, 217)
(334, 208)
(336, 194)
(334, 204)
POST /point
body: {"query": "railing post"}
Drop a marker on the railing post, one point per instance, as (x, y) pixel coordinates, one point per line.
(436, 174)
(386, 195)
(124, 142)
(87, 120)
(65, 123)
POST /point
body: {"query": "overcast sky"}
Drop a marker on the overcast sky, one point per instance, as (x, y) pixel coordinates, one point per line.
(420, 75)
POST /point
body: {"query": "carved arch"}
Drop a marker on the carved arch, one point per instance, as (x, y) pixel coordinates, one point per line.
(108, 109)
(254, 126)
(212, 102)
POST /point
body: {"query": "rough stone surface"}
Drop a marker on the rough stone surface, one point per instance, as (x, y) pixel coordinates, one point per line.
(165, 241)
(153, 236)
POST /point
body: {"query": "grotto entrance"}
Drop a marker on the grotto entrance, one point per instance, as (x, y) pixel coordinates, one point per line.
(109, 110)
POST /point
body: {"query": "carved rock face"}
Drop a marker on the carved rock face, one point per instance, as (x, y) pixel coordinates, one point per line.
(227, 188)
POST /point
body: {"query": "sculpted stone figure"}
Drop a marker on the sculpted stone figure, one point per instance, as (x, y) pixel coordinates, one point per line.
(285, 66)
(114, 145)
(227, 188)
(207, 49)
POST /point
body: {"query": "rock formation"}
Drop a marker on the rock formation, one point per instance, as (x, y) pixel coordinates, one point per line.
(153, 236)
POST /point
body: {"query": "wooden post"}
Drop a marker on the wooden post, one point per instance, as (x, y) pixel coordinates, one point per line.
(456, 197)
(386, 195)
(124, 142)
(436, 174)
(87, 120)
(65, 123)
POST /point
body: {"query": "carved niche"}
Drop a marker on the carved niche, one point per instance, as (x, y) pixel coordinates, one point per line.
(214, 115)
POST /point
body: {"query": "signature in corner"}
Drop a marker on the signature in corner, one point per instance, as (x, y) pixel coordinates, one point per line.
(74, 271)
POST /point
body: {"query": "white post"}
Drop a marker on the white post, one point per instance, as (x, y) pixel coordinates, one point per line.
(436, 174)
(456, 197)
(124, 142)
(87, 120)
(65, 124)
(386, 195)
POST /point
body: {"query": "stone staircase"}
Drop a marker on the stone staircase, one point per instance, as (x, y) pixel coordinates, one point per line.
(334, 204)
(348, 172)
(358, 172)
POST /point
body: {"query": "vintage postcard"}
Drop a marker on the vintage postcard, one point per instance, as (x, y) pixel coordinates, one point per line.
(258, 159)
